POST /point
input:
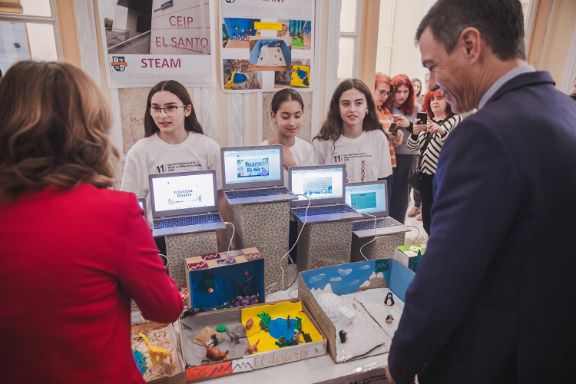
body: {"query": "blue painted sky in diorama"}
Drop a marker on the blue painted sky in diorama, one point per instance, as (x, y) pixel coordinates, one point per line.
(347, 278)
(230, 286)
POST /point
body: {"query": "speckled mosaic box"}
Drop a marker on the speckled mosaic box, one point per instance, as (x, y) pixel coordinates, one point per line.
(324, 243)
(225, 279)
(179, 247)
(383, 247)
(265, 226)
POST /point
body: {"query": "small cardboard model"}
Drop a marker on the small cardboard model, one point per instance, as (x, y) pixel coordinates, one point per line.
(157, 354)
(236, 340)
(356, 305)
(225, 280)
(410, 255)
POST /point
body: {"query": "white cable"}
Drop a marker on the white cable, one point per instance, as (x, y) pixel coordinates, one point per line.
(417, 229)
(233, 233)
(292, 247)
(371, 241)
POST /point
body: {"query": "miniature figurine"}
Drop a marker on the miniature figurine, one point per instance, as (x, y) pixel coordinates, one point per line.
(215, 341)
(215, 354)
(307, 337)
(157, 354)
(389, 319)
(252, 348)
(389, 300)
(343, 336)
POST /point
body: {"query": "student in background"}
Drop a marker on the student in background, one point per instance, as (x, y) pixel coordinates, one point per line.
(287, 110)
(417, 84)
(174, 142)
(428, 139)
(353, 136)
(403, 107)
(73, 252)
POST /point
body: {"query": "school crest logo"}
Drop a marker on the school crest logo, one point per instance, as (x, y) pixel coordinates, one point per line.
(119, 63)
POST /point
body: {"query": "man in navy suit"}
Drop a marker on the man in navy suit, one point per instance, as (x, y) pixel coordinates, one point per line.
(494, 298)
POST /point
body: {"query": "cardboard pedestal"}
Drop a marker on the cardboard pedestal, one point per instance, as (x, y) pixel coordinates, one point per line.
(265, 226)
(381, 248)
(324, 243)
(179, 247)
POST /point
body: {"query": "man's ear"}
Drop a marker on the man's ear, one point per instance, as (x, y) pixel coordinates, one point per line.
(471, 43)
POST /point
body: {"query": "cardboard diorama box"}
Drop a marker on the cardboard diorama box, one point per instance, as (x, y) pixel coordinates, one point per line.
(156, 351)
(225, 280)
(356, 305)
(409, 255)
(236, 340)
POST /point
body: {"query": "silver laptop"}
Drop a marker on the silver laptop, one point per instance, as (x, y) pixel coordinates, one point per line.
(254, 175)
(372, 198)
(184, 202)
(324, 186)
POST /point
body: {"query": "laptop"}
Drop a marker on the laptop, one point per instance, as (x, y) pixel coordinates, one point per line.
(254, 175)
(324, 185)
(372, 198)
(184, 203)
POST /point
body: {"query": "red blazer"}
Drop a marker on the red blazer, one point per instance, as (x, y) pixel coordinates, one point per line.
(69, 263)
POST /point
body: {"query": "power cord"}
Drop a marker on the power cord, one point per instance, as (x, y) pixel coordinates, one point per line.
(287, 254)
(233, 233)
(371, 241)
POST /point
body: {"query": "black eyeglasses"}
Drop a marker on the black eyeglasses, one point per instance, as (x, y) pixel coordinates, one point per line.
(169, 110)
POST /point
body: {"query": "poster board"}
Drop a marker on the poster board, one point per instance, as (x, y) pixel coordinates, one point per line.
(266, 44)
(154, 40)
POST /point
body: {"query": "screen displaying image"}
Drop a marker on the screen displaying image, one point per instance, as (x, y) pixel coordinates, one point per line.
(367, 198)
(317, 183)
(183, 192)
(254, 165)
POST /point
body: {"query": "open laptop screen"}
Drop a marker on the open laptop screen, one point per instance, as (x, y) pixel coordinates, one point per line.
(246, 167)
(323, 183)
(368, 197)
(181, 193)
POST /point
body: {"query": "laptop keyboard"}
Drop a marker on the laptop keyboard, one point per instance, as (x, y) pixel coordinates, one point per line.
(323, 210)
(186, 220)
(256, 192)
(380, 223)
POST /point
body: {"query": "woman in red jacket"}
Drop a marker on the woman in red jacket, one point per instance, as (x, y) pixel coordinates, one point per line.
(72, 252)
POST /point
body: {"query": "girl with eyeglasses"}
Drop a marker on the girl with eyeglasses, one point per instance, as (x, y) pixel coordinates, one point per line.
(174, 142)
(353, 136)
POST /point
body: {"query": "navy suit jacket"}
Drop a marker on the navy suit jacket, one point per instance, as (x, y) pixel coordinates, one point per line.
(494, 298)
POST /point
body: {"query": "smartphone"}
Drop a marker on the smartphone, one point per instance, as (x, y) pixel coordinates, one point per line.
(422, 116)
(393, 128)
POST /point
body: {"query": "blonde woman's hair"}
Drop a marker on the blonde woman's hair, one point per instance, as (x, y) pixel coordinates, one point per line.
(53, 130)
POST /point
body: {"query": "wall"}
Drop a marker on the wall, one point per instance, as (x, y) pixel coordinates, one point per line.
(553, 42)
(397, 51)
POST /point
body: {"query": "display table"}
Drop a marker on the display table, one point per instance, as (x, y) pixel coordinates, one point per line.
(179, 247)
(382, 247)
(266, 227)
(324, 243)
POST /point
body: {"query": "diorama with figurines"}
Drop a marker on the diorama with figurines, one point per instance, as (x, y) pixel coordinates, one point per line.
(357, 305)
(238, 340)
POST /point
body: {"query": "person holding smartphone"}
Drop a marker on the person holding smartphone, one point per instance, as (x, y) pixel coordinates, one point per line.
(428, 135)
(403, 107)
